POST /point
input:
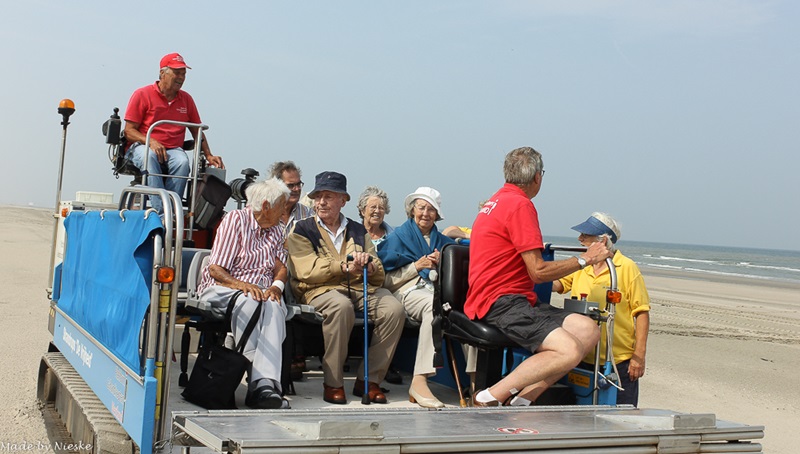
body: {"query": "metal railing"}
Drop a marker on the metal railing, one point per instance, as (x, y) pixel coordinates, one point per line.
(609, 321)
(198, 144)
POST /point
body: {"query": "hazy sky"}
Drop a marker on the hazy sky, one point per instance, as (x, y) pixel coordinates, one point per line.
(680, 118)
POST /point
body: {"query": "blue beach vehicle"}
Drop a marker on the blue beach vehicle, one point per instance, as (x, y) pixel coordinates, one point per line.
(122, 295)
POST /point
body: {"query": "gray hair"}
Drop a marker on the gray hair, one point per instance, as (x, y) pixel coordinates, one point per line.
(372, 191)
(410, 208)
(612, 224)
(277, 168)
(270, 191)
(522, 165)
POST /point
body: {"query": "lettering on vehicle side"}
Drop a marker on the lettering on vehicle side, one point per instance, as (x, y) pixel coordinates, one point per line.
(77, 348)
(119, 395)
(579, 379)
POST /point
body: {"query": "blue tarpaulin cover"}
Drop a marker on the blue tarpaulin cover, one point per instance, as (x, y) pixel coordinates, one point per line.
(107, 272)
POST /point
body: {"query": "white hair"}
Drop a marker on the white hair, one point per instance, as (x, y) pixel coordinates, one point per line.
(270, 191)
(612, 224)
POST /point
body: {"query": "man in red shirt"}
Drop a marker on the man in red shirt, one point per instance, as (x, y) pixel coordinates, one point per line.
(164, 100)
(505, 263)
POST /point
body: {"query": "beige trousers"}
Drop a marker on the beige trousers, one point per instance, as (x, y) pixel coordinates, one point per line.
(338, 311)
(419, 306)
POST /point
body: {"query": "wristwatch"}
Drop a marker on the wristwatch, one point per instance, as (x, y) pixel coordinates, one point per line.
(581, 262)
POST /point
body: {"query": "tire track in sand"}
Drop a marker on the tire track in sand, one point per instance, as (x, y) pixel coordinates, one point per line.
(686, 319)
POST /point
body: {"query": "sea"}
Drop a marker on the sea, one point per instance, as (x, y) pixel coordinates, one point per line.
(735, 262)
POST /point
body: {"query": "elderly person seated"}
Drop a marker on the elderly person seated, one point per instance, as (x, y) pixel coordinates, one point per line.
(632, 317)
(373, 206)
(248, 255)
(408, 255)
(323, 277)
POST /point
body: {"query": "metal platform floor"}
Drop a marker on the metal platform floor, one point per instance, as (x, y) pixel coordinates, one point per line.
(315, 426)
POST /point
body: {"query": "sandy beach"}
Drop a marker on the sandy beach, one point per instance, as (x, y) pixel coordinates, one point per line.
(722, 346)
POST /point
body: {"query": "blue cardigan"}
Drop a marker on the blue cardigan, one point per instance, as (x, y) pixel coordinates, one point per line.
(406, 245)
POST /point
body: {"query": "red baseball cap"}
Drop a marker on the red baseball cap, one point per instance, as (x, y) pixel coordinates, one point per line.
(173, 60)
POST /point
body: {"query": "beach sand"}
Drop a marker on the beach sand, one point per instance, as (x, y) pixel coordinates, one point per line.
(725, 346)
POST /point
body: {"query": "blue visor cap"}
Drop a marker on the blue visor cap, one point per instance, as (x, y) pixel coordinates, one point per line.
(595, 227)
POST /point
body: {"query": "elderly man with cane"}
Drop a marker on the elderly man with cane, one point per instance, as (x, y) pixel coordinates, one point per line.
(323, 277)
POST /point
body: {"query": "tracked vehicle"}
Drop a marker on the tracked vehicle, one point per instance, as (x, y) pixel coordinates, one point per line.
(122, 278)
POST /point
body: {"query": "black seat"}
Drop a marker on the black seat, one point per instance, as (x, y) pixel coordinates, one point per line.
(450, 294)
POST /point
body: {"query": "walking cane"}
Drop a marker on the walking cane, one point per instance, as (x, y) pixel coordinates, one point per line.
(365, 398)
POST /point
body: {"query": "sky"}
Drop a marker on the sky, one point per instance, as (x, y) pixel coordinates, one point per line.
(679, 118)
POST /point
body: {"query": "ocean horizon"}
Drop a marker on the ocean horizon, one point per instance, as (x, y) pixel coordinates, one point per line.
(723, 261)
(734, 262)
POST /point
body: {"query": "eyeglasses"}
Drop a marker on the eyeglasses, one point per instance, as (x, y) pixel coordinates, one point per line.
(425, 208)
(298, 185)
(542, 172)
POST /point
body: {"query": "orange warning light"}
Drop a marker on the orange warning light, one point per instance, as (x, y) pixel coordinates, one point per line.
(66, 104)
(165, 274)
(613, 296)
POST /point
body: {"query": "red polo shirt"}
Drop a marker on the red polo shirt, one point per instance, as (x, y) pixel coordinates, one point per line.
(506, 226)
(148, 105)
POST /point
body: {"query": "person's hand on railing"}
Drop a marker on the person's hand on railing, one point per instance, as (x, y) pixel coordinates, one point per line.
(215, 161)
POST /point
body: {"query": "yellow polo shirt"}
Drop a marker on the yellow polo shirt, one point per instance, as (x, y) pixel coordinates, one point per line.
(634, 301)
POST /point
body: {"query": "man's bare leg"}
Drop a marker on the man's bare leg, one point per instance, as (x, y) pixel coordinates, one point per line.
(561, 351)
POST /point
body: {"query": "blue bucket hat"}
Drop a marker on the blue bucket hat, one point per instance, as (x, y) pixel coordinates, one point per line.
(595, 227)
(330, 181)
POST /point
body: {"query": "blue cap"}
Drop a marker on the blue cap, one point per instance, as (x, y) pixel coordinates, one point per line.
(595, 227)
(330, 181)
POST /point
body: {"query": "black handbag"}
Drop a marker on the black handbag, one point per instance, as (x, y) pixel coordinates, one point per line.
(218, 370)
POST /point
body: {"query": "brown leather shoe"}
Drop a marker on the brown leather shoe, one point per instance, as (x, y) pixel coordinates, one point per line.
(375, 393)
(334, 395)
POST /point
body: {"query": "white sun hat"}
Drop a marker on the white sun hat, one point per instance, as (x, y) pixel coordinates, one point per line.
(429, 195)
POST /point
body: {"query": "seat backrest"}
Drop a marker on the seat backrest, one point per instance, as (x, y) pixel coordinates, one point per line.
(543, 290)
(452, 282)
(454, 273)
(192, 266)
(188, 254)
(199, 263)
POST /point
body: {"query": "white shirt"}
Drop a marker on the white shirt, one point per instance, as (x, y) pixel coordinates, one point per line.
(338, 237)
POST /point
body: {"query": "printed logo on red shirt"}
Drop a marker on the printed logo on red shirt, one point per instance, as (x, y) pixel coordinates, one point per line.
(488, 206)
(182, 110)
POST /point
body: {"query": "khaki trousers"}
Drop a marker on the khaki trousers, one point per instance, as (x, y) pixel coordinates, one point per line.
(419, 306)
(338, 311)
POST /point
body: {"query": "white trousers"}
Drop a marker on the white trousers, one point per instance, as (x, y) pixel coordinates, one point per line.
(264, 346)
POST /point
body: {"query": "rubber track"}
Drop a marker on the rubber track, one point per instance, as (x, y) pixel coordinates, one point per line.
(108, 434)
